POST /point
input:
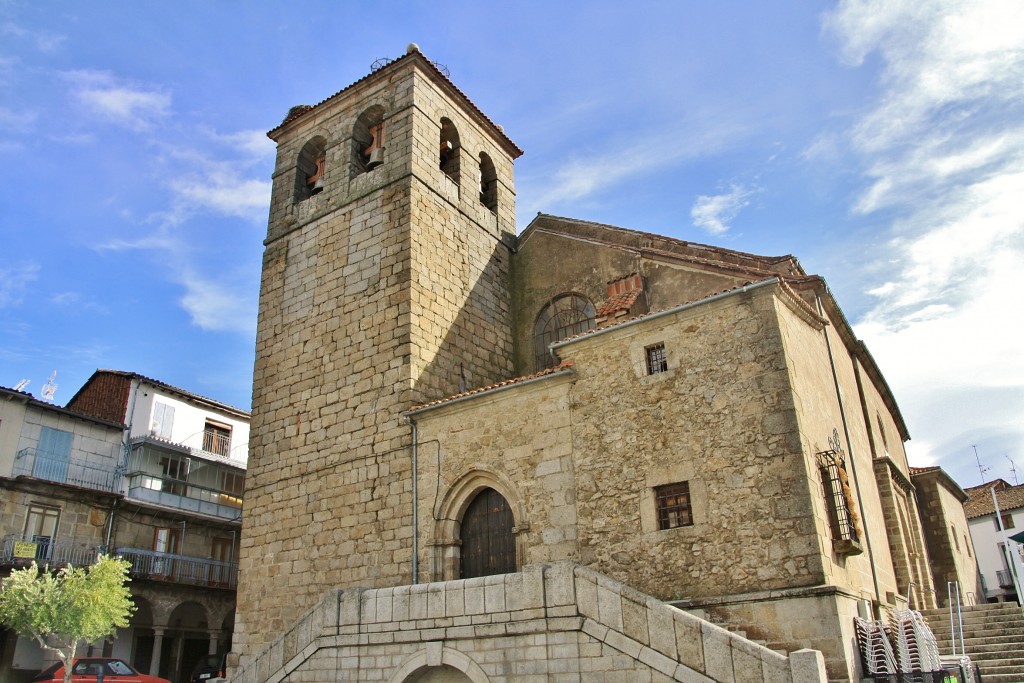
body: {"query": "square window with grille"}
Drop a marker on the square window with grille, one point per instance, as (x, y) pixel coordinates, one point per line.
(672, 502)
(657, 359)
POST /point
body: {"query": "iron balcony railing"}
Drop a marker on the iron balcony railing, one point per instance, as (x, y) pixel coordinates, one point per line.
(183, 495)
(216, 442)
(23, 550)
(182, 569)
(1004, 578)
(32, 462)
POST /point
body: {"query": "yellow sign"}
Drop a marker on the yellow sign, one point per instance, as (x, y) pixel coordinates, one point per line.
(25, 549)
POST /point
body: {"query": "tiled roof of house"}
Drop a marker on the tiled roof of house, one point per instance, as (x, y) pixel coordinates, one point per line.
(412, 53)
(105, 394)
(29, 399)
(554, 370)
(979, 502)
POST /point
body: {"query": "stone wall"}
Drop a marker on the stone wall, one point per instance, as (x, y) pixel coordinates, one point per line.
(561, 622)
(947, 535)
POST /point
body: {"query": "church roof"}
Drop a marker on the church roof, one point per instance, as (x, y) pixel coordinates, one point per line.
(412, 55)
(563, 368)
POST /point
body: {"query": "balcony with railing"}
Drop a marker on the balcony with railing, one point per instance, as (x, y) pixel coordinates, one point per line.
(32, 462)
(1004, 578)
(151, 565)
(182, 495)
(20, 551)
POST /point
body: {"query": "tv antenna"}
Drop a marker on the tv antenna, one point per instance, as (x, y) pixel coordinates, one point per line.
(981, 469)
(50, 388)
(20, 386)
(1013, 470)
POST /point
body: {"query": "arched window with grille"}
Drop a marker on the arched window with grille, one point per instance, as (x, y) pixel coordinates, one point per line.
(563, 316)
(488, 542)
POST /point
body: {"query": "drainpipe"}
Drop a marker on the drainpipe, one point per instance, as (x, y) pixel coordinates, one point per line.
(110, 527)
(853, 460)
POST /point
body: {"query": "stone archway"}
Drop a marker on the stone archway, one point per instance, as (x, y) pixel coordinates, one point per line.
(439, 664)
(438, 674)
(450, 512)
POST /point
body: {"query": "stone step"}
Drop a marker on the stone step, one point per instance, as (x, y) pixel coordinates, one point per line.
(992, 645)
(1016, 633)
(988, 620)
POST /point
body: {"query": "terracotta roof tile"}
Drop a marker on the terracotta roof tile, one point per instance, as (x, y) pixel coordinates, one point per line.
(622, 302)
(979, 502)
(564, 365)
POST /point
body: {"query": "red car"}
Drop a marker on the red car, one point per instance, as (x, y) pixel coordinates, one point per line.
(87, 670)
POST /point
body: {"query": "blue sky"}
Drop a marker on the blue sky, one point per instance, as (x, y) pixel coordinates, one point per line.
(881, 142)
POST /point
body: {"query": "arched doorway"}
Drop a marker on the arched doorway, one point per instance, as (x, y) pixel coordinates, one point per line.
(488, 543)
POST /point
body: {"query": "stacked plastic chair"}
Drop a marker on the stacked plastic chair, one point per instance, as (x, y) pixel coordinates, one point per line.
(875, 648)
(916, 649)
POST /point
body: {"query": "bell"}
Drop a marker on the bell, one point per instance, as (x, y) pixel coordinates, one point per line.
(376, 158)
(318, 186)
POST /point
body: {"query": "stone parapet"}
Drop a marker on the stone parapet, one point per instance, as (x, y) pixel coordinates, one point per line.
(561, 619)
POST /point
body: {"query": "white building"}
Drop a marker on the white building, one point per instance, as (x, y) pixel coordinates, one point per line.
(999, 556)
(141, 469)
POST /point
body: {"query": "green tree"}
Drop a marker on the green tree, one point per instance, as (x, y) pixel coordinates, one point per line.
(75, 604)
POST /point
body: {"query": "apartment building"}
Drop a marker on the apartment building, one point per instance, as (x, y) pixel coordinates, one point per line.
(141, 469)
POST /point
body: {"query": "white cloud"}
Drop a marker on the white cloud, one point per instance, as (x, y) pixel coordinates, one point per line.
(13, 282)
(714, 212)
(219, 188)
(218, 306)
(126, 104)
(944, 152)
(44, 41)
(16, 121)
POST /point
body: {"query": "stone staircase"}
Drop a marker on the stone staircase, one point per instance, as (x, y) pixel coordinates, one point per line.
(993, 638)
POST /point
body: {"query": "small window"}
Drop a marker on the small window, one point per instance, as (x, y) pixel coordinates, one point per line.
(217, 438)
(956, 541)
(672, 502)
(41, 530)
(175, 474)
(1007, 521)
(163, 420)
(967, 546)
(657, 360)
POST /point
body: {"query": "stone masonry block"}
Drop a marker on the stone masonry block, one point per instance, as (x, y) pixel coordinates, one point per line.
(746, 662)
(609, 606)
(474, 595)
(689, 640)
(350, 603)
(717, 653)
(625, 645)
(658, 661)
(586, 594)
(634, 620)
(559, 584)
(807, 666)
(661, 628)
(494, 593)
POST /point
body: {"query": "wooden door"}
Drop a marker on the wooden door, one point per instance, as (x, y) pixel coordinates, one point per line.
(488, 544)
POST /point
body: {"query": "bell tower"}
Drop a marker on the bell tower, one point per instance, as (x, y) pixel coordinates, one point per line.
(385, 285)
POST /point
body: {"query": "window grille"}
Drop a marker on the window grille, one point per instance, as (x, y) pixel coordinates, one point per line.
(564, 316)
(843, 518)
(672, 502)
(657, 359)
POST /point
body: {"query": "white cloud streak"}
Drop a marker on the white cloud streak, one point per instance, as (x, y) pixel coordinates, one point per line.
(14, 280)
(713, 213)
(944, 152)
(115, 100)
(218, 306)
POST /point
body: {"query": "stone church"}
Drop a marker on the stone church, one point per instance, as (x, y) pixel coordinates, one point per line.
(571, 452)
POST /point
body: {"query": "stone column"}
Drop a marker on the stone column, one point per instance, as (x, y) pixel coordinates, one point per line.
(158, 645)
